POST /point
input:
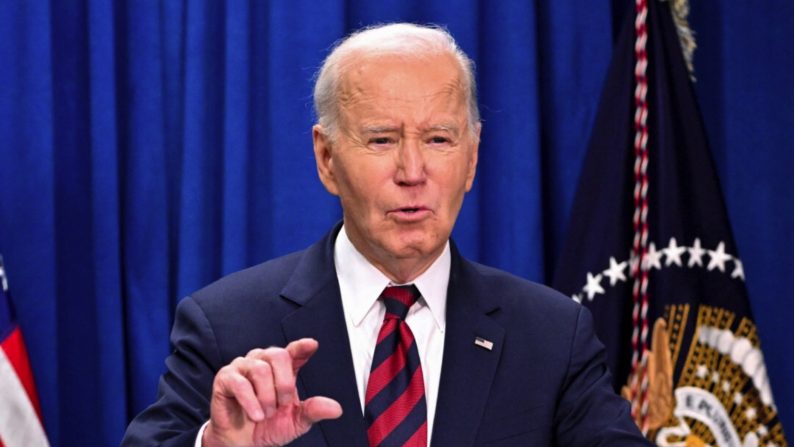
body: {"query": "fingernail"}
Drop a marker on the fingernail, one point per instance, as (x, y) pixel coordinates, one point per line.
(269, 411)
(258, 415)
(285, 398)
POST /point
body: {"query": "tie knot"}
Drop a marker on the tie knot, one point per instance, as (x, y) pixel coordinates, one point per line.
(398, 300)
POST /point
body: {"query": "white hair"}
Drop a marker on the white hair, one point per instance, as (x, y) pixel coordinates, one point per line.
(389, 39)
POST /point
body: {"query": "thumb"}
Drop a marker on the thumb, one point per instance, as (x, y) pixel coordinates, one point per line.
(318, 408)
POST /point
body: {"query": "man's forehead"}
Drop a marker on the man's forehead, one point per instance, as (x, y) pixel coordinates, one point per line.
(400, 76)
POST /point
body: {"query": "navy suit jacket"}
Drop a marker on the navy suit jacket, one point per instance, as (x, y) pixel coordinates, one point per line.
(544, 382)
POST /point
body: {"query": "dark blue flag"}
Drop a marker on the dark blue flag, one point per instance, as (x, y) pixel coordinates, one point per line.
(650, 252)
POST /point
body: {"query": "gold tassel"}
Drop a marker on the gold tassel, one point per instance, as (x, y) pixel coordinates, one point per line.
(680, 9)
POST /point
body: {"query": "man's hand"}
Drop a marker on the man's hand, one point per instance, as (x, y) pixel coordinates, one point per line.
(255, 401)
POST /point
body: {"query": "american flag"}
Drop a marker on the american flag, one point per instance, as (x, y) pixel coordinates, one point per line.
(20, 414)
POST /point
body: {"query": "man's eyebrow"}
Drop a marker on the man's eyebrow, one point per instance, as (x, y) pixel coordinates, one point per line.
(379, 129)
(386, 128)
(452, 128)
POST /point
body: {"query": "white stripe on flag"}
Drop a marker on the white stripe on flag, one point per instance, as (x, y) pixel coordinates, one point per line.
(19, 424)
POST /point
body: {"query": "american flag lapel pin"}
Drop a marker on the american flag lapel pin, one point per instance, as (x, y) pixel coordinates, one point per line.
(483, 343)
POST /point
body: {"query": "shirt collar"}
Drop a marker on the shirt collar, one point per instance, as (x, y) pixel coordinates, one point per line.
(361, 283)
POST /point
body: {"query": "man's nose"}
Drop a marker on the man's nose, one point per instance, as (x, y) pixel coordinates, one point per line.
(410, 163)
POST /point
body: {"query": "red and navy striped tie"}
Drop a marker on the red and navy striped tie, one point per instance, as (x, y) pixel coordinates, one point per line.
(395, 399)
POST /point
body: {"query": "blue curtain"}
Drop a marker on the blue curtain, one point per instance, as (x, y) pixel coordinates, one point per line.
(150, 147)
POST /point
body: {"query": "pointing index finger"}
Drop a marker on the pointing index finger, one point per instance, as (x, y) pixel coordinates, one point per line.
(301, 351)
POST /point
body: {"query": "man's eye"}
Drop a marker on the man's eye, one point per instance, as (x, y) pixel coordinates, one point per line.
(381, 140)
(439, 140)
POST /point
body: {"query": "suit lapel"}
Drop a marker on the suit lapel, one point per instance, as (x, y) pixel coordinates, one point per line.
(329, 373)
(467, 368)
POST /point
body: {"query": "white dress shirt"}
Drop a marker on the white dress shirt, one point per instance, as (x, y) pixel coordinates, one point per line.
(360, 286)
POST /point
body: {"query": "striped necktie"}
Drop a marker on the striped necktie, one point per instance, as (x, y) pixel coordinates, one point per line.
(395, 408)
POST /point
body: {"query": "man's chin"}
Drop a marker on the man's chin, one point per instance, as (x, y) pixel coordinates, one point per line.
(416, 249)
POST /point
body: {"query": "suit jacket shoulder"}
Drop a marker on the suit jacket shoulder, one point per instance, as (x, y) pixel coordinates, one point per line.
(215, 324)
(235, 303)
(545, 381)
(515, 294)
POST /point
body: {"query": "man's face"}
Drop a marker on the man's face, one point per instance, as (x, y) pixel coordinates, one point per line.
(403, 157)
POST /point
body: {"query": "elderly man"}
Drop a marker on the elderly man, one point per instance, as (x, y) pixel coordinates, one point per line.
(381, 334)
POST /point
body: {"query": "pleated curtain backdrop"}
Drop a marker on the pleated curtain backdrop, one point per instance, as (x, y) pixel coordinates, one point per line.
(149, 147)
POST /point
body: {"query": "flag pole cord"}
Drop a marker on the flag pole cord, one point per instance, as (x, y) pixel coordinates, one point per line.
(640, 272)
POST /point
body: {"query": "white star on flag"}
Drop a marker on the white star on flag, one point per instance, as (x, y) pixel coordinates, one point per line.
(616, 271)
(593, 286)
(718, 258)
(702, 371)
(695, 252)
(653, 258)
(738, 271)
(673, 253)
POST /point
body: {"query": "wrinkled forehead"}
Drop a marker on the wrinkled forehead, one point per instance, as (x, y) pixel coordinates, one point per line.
(402, 78)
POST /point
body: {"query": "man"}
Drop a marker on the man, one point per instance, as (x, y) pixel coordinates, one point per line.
(381, 333)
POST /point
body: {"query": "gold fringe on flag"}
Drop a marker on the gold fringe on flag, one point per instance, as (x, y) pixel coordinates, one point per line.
(680, 9)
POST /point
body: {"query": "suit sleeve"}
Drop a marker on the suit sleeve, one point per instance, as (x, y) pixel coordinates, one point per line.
(183, 402)
(589, 411)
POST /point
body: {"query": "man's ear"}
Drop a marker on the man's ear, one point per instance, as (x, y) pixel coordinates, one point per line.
(323, 147)
(473, 158)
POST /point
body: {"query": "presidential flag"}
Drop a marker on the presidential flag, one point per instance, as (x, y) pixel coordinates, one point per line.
(20, 414)
(649, 251)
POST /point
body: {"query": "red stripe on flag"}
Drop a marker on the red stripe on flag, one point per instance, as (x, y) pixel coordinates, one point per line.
(14, 347)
